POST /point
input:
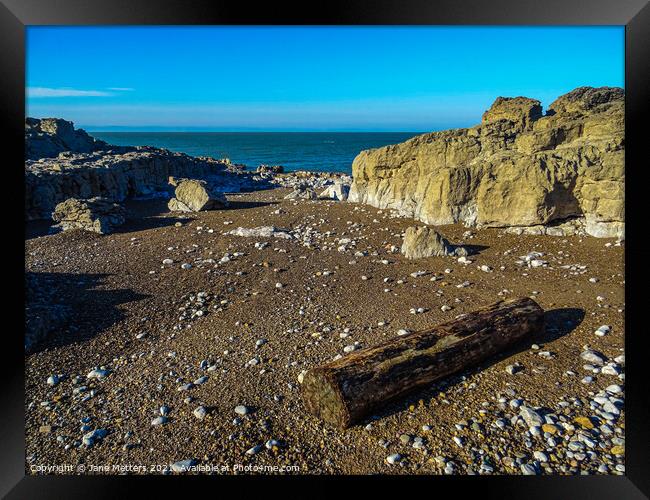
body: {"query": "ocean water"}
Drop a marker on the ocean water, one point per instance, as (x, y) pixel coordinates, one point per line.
(316, 151)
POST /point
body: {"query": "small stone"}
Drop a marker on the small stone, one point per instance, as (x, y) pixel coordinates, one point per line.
(159, 420)
(602, 331)
(528, 470)
(405, 439)
(530, 416)
(593, 357)
(183, 465)
(550, 428)
(242, 410)
(584, 422)
(200, 412)
(394, 459)
(272, 443)
(512, 369)
(614, 389)
(98, 374)
(254, 450)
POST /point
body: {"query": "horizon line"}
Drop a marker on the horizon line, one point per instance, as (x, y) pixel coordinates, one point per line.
(171, 129)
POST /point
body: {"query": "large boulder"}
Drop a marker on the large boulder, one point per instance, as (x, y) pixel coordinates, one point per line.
(98, 215)
(337, 191)
(194, 195)
(420, 242)
(516, 168)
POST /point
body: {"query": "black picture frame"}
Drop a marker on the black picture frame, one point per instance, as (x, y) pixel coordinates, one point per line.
(633, 14)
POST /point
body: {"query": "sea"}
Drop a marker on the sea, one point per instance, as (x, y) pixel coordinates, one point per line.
(315, 151)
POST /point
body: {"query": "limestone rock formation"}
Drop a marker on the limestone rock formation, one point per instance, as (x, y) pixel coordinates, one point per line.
(194, 195)
(422, 242)
(117, 173)
(517, 168)
(96, 214)
(48, 137)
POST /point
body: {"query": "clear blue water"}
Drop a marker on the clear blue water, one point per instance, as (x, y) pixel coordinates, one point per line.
(316, 151)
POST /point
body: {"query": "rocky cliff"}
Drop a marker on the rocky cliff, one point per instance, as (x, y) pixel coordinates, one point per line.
(74, 165)
(517, 168)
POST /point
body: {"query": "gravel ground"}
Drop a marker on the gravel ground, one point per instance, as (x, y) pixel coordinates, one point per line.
(193, 365)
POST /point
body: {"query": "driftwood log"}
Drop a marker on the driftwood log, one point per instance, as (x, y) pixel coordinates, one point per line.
(345, 391)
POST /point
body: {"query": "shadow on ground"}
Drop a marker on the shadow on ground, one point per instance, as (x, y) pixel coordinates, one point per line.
(62, 308)
(475, 249)
(243, 205)
(559, 322)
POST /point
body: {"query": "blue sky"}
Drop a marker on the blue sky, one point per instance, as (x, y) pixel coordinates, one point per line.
(306, 78)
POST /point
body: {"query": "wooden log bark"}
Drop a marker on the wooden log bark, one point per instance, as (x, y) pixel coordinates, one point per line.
(345, 391)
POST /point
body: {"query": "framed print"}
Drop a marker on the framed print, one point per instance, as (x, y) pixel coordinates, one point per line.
(383, 240)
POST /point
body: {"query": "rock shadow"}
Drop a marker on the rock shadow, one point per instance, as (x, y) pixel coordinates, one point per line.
(243, 205)
(64, 308)
(559, 322)
(474, 249)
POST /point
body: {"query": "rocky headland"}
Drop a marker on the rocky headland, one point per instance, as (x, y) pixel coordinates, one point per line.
(63, 162)
(518, 168)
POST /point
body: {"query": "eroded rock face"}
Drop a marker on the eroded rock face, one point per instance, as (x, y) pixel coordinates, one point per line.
(117, 173)
(420, 242)
(96, 214)
(517, 168)
(194, 195)
(48, 137)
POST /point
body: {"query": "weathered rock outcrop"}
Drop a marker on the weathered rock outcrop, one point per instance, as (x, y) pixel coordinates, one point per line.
(98, 215)
(117, 173)
(517, 168)
(193, 195)
(422, 242)
(48, 137)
